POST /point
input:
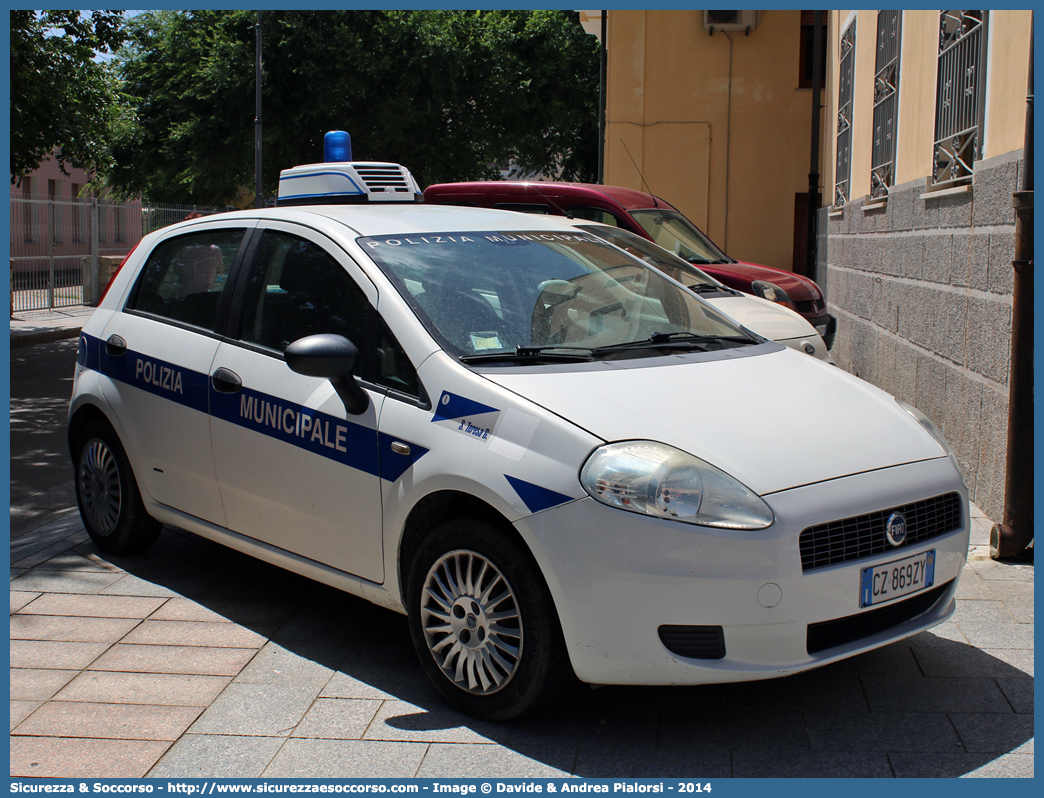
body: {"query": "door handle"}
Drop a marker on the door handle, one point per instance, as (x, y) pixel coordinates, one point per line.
(226, 381)
(115, 346)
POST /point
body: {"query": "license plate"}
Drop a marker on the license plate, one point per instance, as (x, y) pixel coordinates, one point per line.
(896, 579)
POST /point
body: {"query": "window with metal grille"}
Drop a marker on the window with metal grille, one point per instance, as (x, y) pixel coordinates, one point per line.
(886, 101)
(960, 95)
(843, 172)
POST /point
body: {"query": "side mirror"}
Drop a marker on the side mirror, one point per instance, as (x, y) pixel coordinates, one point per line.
(332, 357)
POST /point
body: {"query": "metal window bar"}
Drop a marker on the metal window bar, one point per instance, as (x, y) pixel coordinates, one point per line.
(886, 102)
(960, 95)
(55, 253)
(843, 170)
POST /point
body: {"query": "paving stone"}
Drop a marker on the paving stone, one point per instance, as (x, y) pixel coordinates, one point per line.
(1008, 766)
(38, 684)
(881, 731)
(998, 635)
(207, 756)
(977, 611)
(938, 766)
(1018, 691)
(754, 764)
(54, 654)
(39, 580)
(174, 659)
(108, 721)
(1020, 609)
(19, 598)
(144, 688)
(767, 729)
(93, 606)
(242, 612)
(324, 759)
(459, 761)
(195, 633)
(71, 758)
(619, 759)
(338, 718)
(817, 690)
(301, 662)
(265, 710)
(130, 585)
(20, 710)
(404, 722)
(969, 694)
(76, 561)
(992, 733)
(85, 630)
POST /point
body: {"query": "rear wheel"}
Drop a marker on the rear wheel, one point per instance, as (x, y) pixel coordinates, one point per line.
(107, 493)
(483, 622)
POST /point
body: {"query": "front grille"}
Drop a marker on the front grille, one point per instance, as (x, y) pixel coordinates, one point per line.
(383, 178)
(864, 535)
(827, 634)
(695, 642)
(807, 306)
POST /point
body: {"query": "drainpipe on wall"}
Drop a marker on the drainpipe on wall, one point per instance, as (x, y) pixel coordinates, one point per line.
(602, 66)
(1014, 534)
(811, 241)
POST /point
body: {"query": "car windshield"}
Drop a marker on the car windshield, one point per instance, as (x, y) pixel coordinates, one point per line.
(676, 234)
(520, 292)
(653, 254)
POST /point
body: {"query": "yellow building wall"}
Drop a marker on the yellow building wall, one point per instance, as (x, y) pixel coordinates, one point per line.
(730, 158)
(1007, 71)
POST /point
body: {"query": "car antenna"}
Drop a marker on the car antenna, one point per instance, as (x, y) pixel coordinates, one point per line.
(565, 213)
(639, 171)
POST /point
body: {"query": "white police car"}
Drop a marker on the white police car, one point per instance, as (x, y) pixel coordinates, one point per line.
(553, 458)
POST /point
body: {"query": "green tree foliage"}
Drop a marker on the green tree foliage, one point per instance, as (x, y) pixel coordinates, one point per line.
(450, 94)
(62, 100)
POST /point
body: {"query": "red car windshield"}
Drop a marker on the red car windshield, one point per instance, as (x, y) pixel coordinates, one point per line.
(676, 234)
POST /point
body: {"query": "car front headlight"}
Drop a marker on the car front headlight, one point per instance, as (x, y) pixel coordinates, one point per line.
(925, 422)
(772, 292)
(658, 480)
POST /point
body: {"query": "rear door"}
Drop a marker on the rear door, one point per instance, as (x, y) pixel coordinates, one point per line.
(157, 356)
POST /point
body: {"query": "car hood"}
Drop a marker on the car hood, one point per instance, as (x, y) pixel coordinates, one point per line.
(763, 317)
(774, 421)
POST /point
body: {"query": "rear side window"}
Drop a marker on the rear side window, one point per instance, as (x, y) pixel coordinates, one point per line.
(184, 277)
(594, 215)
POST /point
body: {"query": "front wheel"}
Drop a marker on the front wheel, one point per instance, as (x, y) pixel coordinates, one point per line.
(483, 622)
(107, 494)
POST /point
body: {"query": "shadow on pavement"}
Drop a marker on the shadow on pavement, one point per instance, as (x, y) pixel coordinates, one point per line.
(929, 706)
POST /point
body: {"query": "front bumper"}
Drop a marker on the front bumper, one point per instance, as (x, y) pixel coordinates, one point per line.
(618, 578)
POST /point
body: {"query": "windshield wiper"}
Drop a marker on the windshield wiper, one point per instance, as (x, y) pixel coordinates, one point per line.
(707, 288)
(681, 340)
(568, 354)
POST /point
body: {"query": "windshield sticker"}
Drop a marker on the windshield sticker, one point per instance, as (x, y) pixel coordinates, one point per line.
(476, 238)
(481, 341)
(514, 435)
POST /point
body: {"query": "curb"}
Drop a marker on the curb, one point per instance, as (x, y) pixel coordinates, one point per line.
(20, 340)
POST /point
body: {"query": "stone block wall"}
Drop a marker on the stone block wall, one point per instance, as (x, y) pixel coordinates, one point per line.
(922, 291)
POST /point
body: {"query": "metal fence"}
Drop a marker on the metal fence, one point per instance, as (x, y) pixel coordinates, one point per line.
(63, 251)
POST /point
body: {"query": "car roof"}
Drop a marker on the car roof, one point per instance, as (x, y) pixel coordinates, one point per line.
(628, 198)
(392, 219)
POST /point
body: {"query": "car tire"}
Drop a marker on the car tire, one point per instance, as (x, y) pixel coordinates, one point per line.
(484, 624)
(107, 493)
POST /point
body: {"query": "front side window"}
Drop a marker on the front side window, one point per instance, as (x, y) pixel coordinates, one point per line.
(490, 293)
(297, 289)
(184, 277)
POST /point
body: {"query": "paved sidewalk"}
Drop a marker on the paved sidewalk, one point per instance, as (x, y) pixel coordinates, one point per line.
(194, 661)
(29, 327)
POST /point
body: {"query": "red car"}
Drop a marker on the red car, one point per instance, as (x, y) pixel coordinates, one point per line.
(653, 218)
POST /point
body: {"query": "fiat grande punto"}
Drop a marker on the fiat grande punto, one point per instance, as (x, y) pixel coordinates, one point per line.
(559, 463)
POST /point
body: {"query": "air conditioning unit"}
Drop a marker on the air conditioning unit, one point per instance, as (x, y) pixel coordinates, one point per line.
(731, 20)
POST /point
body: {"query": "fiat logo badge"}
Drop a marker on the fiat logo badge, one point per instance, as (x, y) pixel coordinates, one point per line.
(895, 529)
